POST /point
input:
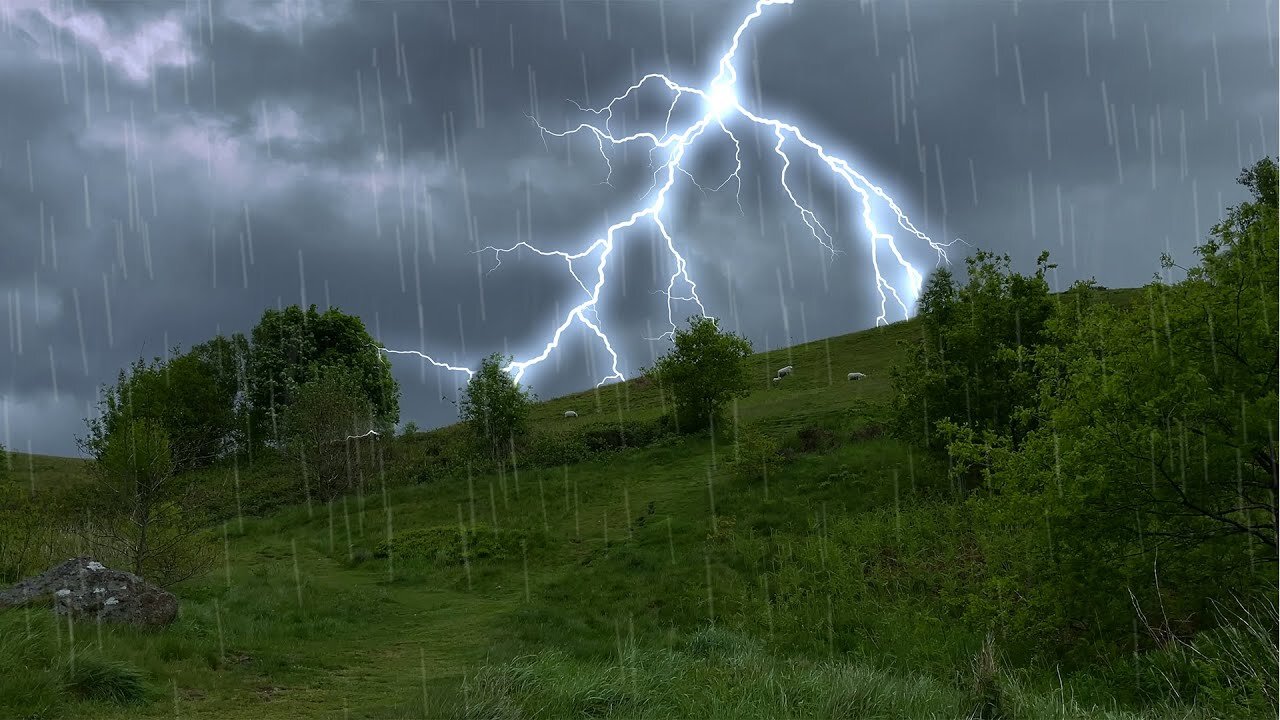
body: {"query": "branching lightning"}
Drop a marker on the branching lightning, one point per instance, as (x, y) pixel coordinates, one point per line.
(721, 109)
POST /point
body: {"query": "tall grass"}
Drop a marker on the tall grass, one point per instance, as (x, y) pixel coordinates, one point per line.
(720, 674)
(41, 673)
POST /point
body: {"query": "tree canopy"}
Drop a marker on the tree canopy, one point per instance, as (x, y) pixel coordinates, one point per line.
(705, 369)
(495, 407)
(289, 347)
(193, 396)
(1149, 475)
(973, 362)
(326, 412)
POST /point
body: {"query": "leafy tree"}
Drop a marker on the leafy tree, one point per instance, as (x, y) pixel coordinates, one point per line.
(226, 360)
(138, 509)
(1151, 477)
(495, 407)
(973, 363)
(189, 395)
(704, 371)
(287, 343)
(327, 413)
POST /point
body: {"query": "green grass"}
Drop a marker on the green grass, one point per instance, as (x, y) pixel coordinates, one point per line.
(647, 583)
(45, 473)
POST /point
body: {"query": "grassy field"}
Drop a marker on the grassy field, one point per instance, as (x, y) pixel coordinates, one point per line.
(45, 472)
(652, 583)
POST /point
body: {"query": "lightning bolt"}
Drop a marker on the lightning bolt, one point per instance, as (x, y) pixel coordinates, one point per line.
(722, 108)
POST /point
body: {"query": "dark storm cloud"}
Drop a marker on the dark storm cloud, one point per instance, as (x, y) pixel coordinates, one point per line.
(351, 155)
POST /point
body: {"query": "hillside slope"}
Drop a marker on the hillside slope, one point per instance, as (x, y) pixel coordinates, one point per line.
(652, 582)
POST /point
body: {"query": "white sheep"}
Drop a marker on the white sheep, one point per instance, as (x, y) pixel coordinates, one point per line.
(857, 376)
(777, 379)
(570, 413)
(783, 372)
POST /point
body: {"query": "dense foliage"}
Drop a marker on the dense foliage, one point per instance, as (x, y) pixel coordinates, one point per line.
(327, 413)
(973, 364)
(192, 396)
(1134, 471)
(495, 407)
(138, 512)
(288, 348)
(704, 371)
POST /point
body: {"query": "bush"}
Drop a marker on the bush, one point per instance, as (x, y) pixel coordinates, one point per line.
(444, 454)
(31, 535)
(759, 455)
(444, 545)
(813, 439)
(869, 431)
(553, 449)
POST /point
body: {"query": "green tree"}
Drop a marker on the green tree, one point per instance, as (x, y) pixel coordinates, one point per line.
(973, 362)
(226, 360)
(704, 371)
(189, 394)
(495, 407)
(327, 413)
(287, 343)
(138, 509)
(1151, 477)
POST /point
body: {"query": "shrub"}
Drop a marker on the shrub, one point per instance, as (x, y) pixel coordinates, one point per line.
(444, 545)
(443, 454)
(30, 533)
(759, 455)
(550, 449)
(870, 431)
(813, 439)
(553, 449)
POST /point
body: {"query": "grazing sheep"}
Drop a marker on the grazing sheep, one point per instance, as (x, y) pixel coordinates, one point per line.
(857, 376)
(783, 372)
(570, 413)
(777, 379)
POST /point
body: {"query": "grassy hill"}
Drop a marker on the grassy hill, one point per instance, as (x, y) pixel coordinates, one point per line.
(653, 582)
(46, 472)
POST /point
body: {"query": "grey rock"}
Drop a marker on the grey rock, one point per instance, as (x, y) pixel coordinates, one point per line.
(84, 588)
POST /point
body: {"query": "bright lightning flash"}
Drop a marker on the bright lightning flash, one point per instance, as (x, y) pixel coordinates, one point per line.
(721, 108)
(721, 101)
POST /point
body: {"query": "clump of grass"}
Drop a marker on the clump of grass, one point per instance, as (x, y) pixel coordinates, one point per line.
(721, 673)
(1231, 670)
(39, 677)
(94, 678)
(986, 682)
(715, 673)
(27, 688)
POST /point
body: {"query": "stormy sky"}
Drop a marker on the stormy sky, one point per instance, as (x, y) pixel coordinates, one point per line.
(168, 170)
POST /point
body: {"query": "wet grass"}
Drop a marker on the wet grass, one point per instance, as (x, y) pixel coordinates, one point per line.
(650, 583)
